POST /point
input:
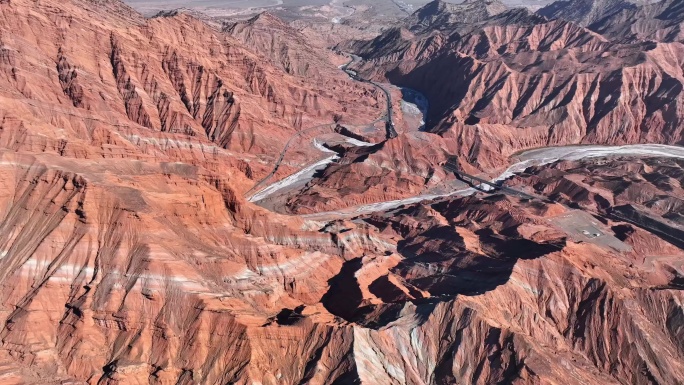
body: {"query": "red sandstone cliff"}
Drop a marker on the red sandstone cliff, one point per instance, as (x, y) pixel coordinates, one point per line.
(128, 253)
(516, 80)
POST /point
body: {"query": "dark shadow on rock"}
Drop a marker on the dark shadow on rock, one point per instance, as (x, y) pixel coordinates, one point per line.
(290, 316)
(386, 290)
(344, 296)
(438, 262)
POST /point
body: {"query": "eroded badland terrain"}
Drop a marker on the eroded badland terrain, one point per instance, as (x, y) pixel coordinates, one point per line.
(462, 194)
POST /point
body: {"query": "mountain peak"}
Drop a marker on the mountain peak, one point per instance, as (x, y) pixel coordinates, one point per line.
(266, 18)
(584, 12)
(262, 21)
(439, 14)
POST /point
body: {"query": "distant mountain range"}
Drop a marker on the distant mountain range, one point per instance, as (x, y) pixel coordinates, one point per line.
(487, 69)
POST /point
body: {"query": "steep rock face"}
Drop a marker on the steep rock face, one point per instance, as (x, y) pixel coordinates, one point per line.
(282, 44)
(584, 12)
(305, 56)
(441, 15)
(124, 293)
(124, 237)
(661, 21)
(151, 74)
(204, 96)
(517, 81)
(68, 78)
(129, 255)
(132, 99)
(468, 249)
(395, 169)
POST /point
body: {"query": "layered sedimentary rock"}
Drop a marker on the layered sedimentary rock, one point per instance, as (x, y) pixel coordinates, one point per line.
(442, 15)
(661, 21)
(493, 276)
(284, 45)
(395, 169)
(645, 192)
(584, 12)
(517, 80)
(129, 254)
(127, 145)
(152, 76)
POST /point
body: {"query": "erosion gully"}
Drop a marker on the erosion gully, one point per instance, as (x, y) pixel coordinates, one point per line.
(535, 157)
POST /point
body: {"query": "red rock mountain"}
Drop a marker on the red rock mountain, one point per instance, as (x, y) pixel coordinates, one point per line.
(442, 15)
(285, 46)
(662, 21)
(130, 255)
(152, 75)
(584, 12)
(517, 80)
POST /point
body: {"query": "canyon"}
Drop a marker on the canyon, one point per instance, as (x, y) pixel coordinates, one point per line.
(193, 199)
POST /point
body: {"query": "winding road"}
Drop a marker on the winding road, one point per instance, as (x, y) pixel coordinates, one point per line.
(529, 158)
(280, 159)
(256, 194)
(389, 122)
(536, 157)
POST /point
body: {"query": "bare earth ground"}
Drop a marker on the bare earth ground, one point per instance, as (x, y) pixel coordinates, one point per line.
(132, 253)
(236, 7)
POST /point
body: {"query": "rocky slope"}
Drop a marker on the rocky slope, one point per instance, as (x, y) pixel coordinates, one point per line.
(285, 46)
(125, 240)
(129, 255)
(662, 21)
(396, 169)
(517, 80)
(153, 77)
(566, 287)
(442, 15)
(584, 12)
(646, 192)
